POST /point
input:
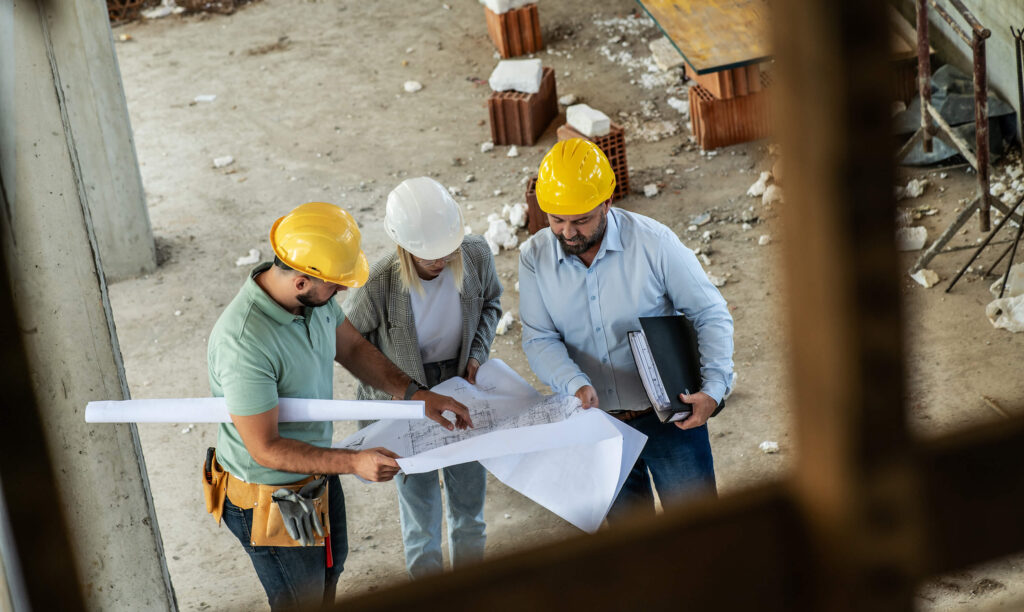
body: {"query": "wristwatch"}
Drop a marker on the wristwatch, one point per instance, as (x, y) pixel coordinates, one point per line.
(412, 389)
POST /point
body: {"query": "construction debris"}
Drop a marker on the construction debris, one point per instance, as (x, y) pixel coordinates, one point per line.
(769, 447)
(251, 259)
(665, 54)
(650, 190)
(763, 240)
(486, 147)
(1014, 287)
(224, 161)
(1007, 313)
(760, 185)
(926, 278)
(772, 195)
(504, 323)
(567, 100)
(914, 189)
(412, 86)
(911, 238)
(515, 213)
(513, 151)
(499, 234)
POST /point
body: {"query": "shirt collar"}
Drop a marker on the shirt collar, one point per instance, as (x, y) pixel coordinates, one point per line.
(612, 240)
(264, 302)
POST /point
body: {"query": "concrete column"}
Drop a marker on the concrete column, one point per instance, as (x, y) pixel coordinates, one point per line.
(81, 50)
(60, 141)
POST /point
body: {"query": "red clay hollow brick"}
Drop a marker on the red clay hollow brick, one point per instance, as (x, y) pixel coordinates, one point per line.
(536, 219)
(516, 32)
(614, 146)
(520, 119)
(720, 123)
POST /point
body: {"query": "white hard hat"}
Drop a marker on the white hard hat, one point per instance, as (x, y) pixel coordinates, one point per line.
(424, 219)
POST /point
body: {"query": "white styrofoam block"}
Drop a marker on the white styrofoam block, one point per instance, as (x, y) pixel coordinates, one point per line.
(518, 75)
(588, 121)
(504, 6)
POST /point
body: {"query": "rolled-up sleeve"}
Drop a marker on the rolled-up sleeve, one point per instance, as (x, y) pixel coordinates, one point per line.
(692, 293)
(542, 343)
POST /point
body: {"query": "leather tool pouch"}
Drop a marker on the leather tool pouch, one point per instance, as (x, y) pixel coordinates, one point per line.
(267, 524)
(215, 482)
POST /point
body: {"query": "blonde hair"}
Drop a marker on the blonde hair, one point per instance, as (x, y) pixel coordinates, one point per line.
(411, 279)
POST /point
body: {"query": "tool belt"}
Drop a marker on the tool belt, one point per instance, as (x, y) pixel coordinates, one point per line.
(267, 524)
(629, 415)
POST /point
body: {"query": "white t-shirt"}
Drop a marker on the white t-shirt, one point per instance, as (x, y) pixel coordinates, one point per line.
(438, 317)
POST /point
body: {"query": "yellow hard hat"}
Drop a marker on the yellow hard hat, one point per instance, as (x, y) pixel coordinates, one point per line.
(574, 178)
(321, 240)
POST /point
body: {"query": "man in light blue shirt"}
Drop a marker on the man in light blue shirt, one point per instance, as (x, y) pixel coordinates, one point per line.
(583, 284)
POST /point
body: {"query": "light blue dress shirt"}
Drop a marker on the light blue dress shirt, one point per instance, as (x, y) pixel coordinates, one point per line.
(576, 319)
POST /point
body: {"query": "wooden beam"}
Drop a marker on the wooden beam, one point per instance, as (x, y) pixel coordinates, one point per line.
(856, 479)
(742, 552)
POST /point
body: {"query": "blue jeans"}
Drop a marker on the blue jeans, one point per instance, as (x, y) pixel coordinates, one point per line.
(679, 462)
(296, 576)
(419, 504)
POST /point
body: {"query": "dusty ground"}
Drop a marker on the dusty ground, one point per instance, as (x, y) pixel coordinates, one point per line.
(310, 103)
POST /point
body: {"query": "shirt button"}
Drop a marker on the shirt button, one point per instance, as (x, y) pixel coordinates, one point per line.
(597, 329)
(604, 360)
(611, 390)
(593, 297)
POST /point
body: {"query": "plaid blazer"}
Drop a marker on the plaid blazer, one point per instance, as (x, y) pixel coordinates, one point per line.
(382, 312)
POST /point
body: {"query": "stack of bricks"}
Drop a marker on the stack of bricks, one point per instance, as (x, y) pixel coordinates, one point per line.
(730, 106)
(614, 146)
(519, 118)
(515, 32)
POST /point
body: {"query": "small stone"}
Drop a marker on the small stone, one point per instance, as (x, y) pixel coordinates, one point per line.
(486, 147)
(454, 190)
(746, 226)
(764, 239)
(505, 323)
(470, 178)
(769, 447)
(650, 190)
(222, 162)
(717, 281)
(701, 219)
(567, 100)
(177, 313)
(925, 277)
(412, 86)
(513, 151)
(507, 515)
(497, 192)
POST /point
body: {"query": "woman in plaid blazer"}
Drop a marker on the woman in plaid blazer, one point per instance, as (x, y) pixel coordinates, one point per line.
(432, 308)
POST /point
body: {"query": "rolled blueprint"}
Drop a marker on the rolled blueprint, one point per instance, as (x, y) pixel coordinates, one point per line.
(215, 410)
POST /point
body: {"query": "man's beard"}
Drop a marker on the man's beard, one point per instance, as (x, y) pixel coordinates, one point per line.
(307, 300)
(582, 244)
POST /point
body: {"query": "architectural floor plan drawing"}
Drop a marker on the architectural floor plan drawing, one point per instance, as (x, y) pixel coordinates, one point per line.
(518, 435)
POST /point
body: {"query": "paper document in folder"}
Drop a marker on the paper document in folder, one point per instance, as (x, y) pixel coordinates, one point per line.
(666, 355)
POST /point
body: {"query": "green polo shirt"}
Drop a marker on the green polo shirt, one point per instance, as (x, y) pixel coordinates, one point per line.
(258, 352)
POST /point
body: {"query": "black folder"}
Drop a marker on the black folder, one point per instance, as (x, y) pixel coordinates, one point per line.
(672, 345)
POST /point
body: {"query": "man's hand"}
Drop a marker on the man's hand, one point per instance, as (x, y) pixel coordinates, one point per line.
(471, 367)
(702, 405)
(436, 404)
(375, 464)
(588, 395)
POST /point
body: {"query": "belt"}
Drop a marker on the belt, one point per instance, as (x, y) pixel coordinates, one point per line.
(629, 415)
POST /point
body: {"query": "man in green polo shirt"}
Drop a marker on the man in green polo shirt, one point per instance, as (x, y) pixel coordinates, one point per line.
(279, 338)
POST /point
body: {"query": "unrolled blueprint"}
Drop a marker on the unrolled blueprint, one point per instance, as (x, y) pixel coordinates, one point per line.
(215, 410)
(569, 460)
